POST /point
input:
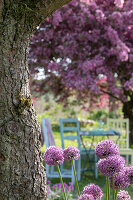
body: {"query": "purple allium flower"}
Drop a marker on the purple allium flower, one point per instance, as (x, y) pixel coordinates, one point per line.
(94, 190)
(65, 186)
(53, 155)
(111, 165)
(86, 197)
(129, 171)
(106, 148)
(54, 186)
(71, 153)
(71, 186)
(123, 195)
(48, 182)
(121, 180)
(58, 186)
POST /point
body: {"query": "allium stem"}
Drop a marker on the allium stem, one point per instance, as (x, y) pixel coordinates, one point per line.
(106, 188)
(65, 197)
(116, 191)
(113, 186)
(77, 185)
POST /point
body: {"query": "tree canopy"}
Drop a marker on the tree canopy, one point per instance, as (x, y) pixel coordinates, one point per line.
(87, 48)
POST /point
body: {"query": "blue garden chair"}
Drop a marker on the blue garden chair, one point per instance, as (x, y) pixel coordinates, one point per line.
(48, 137)
(72, 125)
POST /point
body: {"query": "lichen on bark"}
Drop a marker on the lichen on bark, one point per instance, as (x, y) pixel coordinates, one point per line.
(23, 103)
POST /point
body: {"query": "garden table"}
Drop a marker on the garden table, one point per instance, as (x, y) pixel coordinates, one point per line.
(91, 137)
(98, 132)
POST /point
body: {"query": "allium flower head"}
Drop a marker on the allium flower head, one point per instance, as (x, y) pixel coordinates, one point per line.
(71, 153)
(86, 197)
(121, 180)
(94, 190)
(123, 195)
(129, 172)
(111, 165)
(53, 155)
(106, 148)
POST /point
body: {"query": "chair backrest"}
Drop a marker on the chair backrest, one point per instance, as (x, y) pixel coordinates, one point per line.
(69, 125)
(122, 125)
(47, 132)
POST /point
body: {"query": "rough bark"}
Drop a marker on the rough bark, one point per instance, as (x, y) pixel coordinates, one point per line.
(22, 175)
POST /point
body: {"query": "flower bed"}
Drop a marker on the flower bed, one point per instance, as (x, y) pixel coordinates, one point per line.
(110, 164)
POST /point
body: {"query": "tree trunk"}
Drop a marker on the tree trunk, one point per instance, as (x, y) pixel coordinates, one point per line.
(22, 175)
(128, 113)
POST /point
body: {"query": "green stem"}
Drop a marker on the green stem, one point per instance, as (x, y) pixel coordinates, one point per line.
(77, 185)
(106, 188)
(65, 197)
(113, 187)
(116, 191)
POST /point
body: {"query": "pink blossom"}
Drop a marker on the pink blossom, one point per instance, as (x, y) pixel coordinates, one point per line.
(119, 3)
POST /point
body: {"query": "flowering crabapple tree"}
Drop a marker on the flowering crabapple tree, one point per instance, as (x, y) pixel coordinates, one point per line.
(86, 50)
